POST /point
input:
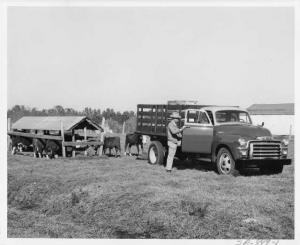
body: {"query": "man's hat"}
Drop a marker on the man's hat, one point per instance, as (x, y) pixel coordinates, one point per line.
(175, 115)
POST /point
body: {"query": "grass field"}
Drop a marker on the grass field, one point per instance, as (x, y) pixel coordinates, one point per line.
(128, 198)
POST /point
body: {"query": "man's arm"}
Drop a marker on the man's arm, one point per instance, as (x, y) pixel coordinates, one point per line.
(174, 129)
(179, 135)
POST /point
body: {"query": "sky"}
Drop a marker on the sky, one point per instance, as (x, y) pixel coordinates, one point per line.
(118, 57)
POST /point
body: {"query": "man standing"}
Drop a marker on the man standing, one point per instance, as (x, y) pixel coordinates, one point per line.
(174, 138)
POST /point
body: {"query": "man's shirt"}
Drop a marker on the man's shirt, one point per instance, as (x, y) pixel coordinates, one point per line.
(174, 133)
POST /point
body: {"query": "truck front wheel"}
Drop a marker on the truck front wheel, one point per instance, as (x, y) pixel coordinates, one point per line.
(225, 162)
(156, 153)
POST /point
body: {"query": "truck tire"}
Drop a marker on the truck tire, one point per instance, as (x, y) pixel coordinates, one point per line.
(156, 153)
(225, 162)
(276, 169)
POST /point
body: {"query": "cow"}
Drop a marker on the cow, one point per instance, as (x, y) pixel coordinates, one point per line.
(52, 148)
(18, 143)
(112, 142)
(133, 139)
(38, 147)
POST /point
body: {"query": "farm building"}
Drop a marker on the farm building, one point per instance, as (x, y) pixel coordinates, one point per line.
(54, 123)
(65, 129)
(279, 118)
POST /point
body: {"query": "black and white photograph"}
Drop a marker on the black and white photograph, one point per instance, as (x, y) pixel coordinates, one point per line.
(148, 120)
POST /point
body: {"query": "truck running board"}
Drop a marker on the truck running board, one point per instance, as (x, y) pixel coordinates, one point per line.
(202, 159)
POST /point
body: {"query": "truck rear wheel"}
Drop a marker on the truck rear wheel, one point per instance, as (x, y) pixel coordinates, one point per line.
(225, 162)
(156, 153)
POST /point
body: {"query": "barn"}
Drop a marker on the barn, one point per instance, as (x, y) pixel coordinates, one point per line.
(65, 129)
(279, 118)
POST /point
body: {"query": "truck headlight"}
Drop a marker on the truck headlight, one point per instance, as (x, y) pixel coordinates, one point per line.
(284, 147)
(285, 142)
(243, 152)
(243, 142)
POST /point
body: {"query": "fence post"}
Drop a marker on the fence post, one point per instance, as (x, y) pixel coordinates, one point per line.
(63, 138)
(123, 131)
(85, 139)
(103, 123)
(8, 130)
(102, 136)
(73, 147)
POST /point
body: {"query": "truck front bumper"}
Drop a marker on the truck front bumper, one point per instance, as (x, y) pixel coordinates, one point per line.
(254, 163)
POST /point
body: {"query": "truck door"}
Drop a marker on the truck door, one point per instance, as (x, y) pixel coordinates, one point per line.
(199, 136)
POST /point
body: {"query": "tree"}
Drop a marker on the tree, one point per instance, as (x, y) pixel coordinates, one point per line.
(60, 111)
(114, 119)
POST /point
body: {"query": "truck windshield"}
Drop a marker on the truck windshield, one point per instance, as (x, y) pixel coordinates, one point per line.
(233, 116)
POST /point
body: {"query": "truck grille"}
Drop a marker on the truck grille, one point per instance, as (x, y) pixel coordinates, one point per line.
(265, 150)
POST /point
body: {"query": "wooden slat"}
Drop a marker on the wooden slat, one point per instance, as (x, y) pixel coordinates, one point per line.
(149, 128)
(141, 116)
(148, 119)
(148, 105)
(84, 131)
(162, 115)
(81, 143)
(85, 138)
(156, 118)
(9, 124)
(144, 113)
(150, 133)
(152, 119)
(149, 123)
(88, 135)
(30, 135)
(73, 140)
(145, 130)
(147, 114)
(166, 116)
(63, 138)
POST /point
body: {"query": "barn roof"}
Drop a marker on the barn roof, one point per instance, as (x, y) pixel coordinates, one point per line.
(272, 109)
(54, 123)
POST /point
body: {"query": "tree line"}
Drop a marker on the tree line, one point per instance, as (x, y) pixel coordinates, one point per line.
(114, 119)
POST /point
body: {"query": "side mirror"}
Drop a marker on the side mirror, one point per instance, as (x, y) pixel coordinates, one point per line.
(262, 124)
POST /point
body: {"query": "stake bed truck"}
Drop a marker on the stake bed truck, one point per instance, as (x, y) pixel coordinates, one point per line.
(225, 136)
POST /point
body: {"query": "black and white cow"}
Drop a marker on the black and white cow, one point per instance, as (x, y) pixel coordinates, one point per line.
(112, 142)
(133, 139)
(19, 143)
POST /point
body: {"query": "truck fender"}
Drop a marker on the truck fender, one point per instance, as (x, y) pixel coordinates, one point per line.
(231, 148)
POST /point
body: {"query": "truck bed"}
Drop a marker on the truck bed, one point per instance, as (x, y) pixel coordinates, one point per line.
(152, 119)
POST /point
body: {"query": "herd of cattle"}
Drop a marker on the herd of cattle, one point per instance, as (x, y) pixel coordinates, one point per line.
(53, 148)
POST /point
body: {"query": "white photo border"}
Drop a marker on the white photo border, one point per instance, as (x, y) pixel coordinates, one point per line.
(80, 3)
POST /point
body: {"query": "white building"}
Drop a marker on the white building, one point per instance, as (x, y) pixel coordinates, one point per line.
(279, 118)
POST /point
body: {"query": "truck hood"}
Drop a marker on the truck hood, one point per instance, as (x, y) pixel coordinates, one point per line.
(246, 131)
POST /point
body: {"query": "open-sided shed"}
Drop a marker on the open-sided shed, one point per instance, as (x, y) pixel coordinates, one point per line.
(69, 123)
(63, 129)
